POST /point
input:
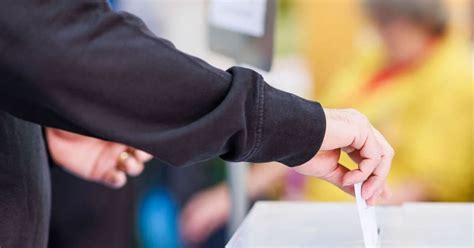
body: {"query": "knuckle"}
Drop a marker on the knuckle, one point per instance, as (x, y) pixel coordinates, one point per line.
(355, 113)
(361, 118)
(390, 152)
(367, 168)
(378, 158)
(94, 175)
(352, 111)
(365, 120)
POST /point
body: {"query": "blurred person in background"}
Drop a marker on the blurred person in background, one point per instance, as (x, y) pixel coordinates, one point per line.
(417, 87)
(325, 32)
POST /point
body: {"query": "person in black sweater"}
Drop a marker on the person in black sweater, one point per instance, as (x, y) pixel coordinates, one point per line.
(78, 66)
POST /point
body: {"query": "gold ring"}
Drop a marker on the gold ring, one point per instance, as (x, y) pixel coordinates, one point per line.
(123, 156)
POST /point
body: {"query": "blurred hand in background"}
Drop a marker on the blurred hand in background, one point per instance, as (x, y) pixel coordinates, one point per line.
(94, 159)
(209, 210)
(205, 213)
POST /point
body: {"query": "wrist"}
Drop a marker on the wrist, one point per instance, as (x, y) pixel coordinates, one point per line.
(293, 128)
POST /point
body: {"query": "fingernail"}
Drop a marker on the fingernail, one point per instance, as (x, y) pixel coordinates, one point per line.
(134, 172)
(119, 184)
(347, 182)
(351, 182)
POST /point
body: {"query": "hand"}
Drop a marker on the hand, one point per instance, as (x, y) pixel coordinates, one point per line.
(206, 212)
(94, 159)
(350, 131)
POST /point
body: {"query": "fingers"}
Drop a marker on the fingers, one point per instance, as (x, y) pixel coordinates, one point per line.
(373, 200)
(336, 177)
(351, 131)
(383, 193)
(143, 156)
(130, 164)
(374, 156)
(116, 162)
(326, 167)
(368, 155)
(106, 160)
(387, 155)
(387, 192)
(372, 186)
(380, 174)
(366, 168)
(114, 178)
(204, 213)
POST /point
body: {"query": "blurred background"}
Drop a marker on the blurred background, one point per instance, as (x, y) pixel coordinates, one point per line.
(406, 64)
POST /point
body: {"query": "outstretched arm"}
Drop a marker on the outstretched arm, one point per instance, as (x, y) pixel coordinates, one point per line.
(77, 65)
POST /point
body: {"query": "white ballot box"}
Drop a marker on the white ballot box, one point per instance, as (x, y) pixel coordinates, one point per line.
(303, 224)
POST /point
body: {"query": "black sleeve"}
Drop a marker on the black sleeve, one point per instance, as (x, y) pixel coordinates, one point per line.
(77, 65)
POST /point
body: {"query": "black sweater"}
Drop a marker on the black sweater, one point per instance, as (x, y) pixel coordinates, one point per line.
(77, 65)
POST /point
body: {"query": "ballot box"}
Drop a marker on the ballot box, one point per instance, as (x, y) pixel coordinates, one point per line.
(303, 224)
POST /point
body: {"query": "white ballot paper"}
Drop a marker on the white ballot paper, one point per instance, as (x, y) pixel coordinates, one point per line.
(368, 221)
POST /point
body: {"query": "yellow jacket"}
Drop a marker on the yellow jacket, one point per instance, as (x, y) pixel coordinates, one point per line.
(426, 114)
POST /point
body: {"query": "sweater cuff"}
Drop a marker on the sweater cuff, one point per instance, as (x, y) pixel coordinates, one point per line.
(292, 128)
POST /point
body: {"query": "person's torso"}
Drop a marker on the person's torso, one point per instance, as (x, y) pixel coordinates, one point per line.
(423, 112)
(24, 184)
